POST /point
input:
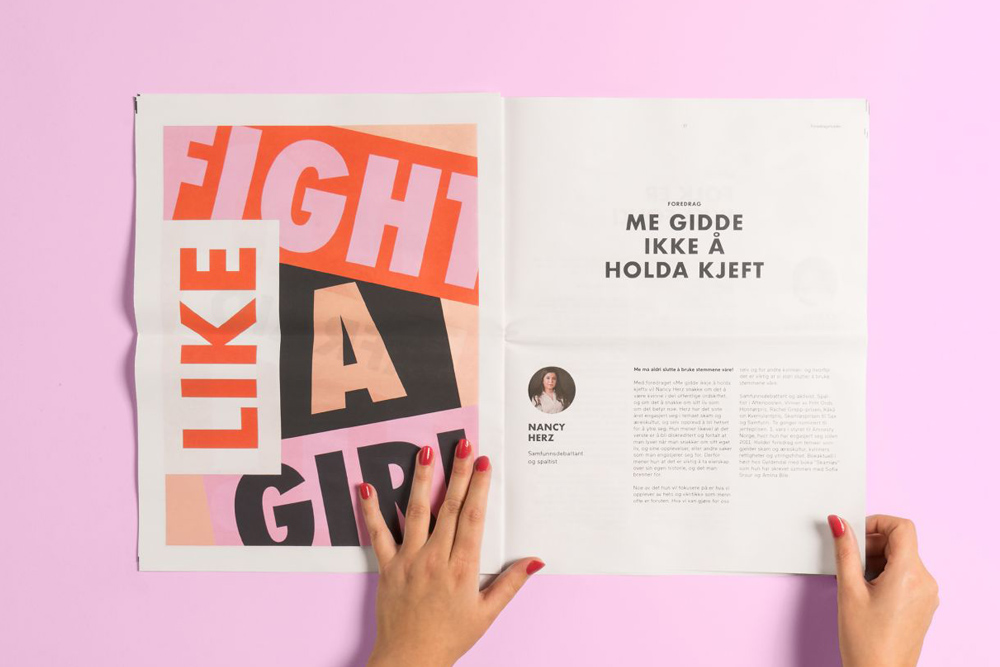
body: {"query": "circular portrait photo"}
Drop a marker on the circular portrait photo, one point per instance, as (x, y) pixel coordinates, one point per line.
(551, 390)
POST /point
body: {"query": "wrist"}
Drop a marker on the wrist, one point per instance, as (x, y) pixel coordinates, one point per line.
(389, 658)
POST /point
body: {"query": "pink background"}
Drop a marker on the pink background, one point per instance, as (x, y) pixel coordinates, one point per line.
(70, 590)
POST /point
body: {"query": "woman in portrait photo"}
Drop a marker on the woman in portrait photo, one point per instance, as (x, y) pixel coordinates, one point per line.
(549, 396)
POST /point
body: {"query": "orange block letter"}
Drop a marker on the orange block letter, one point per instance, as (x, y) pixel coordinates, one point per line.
(244, 278)
(244, 437)
(217, 351)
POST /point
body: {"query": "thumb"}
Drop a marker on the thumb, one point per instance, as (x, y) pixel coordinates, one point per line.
(505, 587)
(850, 573)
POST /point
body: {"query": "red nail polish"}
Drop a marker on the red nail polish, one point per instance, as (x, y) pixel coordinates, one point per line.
(366, 491)
(483, 464)
(534, 566)
(464, 448)
(426, 456)
(836, 525)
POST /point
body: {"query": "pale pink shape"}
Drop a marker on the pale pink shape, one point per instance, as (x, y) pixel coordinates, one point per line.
(178, 166)
(396, 475)
(271, 499)
(463, 266)
(377, 210)
(237, 171)
(325, 209)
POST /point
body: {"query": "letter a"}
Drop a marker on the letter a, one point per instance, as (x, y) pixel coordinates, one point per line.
(338, 311)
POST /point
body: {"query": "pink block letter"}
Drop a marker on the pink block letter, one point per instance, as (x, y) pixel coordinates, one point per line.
(377, 209)
(178, 166)
(324, 208)
(463, 266)
(237, 170)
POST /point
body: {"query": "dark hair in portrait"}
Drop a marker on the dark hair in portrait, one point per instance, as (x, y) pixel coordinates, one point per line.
(564, 390)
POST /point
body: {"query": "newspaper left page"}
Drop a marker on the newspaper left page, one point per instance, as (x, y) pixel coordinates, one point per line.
(310, 313)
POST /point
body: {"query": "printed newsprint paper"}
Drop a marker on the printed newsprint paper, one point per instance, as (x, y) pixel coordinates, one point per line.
(649, 314)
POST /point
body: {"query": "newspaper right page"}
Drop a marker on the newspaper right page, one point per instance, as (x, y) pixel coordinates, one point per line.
(685, 332)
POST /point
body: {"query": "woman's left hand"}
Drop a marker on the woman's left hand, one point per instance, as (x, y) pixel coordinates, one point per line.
(429, 609)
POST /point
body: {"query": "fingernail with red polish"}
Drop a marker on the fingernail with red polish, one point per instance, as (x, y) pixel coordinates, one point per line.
(836, 525)
(534, 566)
(366, 491)
(483, 464)
(426, 456)
(464, 448)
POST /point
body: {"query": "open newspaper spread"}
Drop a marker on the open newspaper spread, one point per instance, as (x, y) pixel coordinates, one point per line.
(649, 314)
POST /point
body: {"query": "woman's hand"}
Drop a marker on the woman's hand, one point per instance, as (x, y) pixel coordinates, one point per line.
(882, 623)
(429, 609)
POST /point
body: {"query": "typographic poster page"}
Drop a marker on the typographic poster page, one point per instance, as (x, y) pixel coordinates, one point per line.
(370, 283)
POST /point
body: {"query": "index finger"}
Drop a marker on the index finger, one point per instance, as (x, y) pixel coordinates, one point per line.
(900, 535)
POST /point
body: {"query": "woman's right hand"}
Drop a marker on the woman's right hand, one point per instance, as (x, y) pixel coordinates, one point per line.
(882, 622)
